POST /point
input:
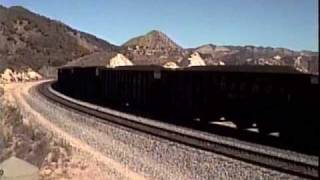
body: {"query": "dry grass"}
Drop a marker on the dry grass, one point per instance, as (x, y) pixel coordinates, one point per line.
(25, 140)
(22, 138)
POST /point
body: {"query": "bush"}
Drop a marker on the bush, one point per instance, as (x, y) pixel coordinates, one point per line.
(10, 118)
(1, 91)
(23, 39)
(28, 27)
(10, 38)
(83, 51)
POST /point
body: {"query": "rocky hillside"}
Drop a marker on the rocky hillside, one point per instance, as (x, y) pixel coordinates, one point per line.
(154, 41)
(305, 61)
(9, 76)
(157, 48)
(94, 59)
(152, 48)
(28, 40)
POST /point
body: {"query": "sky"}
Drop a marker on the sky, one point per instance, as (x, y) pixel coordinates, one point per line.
(290, 24)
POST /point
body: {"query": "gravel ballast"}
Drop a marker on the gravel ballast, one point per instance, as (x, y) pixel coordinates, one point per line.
(147, 155)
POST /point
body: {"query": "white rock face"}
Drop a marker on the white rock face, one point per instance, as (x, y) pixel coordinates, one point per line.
(298, 64)
(171, 65)
(9, 76)
(33, 75)
(277, 57)
(119, 60)
(218, 63)
(221, 63)
(196, 60)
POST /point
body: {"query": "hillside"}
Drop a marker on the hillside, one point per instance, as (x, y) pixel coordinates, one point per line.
(31, 40)
(94, 59)
(305, 61)
(154, 47)
(157, 48)
(153, 40)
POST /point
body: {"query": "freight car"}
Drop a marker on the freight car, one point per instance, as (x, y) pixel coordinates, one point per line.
(275, 98)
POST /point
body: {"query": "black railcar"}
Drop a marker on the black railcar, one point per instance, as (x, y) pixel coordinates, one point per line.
(79, 82)
(275, 98)
(134, 87)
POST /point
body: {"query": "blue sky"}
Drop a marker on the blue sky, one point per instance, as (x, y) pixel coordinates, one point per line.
(277, 23)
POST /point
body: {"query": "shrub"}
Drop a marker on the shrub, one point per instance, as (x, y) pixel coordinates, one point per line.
(28, 27)
(83, 51)
(10, 118)
(23, 39)
(1, 91)
(10, 38)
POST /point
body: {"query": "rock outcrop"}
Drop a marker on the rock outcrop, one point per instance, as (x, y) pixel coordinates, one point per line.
(196, 60)
(119, 60)
(10, 75)
(171, 65)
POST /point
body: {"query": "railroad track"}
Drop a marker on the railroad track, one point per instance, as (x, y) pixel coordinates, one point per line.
(301, 169)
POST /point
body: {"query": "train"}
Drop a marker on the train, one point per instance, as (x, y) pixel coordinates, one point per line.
(270, 98)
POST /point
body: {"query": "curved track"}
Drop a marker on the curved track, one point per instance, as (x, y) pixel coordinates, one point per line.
(266, 160)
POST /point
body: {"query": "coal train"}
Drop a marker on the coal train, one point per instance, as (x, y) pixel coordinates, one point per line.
(272, 98)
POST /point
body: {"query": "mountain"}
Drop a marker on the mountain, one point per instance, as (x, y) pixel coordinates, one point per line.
(28, 40)
(154, 40)
(152, 48)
